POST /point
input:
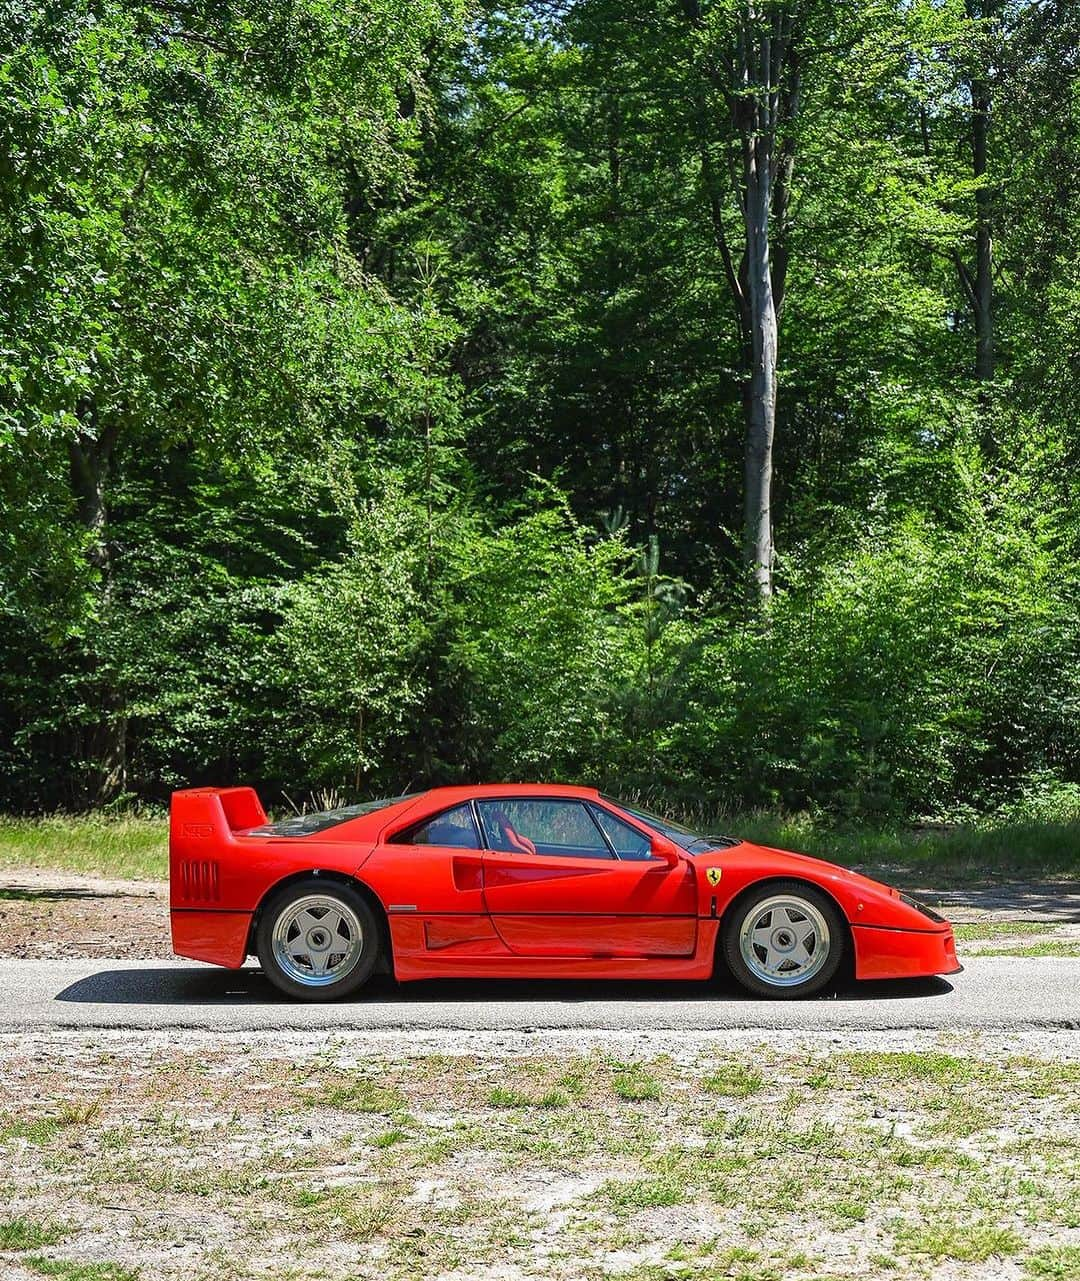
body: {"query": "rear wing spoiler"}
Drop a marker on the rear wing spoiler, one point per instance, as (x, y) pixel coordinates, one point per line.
(202, 814)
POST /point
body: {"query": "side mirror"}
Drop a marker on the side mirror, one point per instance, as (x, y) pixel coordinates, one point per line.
(662, 848)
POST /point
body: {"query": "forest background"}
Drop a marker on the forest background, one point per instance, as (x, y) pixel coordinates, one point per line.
(675, 397)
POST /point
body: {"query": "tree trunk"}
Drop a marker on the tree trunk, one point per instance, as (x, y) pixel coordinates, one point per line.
(90, 455)
(759, 77)
(978, 284)
(983, 285)
(760, 400)
(89, 468)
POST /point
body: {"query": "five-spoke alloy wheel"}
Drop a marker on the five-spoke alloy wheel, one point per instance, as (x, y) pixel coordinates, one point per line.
(784, 939)
(317, 939)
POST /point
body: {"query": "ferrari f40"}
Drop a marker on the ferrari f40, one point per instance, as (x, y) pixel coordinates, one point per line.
(523, 881)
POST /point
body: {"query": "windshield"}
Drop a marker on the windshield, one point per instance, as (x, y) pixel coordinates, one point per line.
(691, 841)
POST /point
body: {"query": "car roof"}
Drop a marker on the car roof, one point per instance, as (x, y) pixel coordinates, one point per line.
(480, 790)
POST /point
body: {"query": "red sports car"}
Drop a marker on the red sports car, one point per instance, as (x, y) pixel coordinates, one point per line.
(522, 881)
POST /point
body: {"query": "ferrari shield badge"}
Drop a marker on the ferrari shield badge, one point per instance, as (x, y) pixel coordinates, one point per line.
(712, 875)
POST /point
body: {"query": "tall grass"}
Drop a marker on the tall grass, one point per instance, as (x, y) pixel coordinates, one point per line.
(94, 844)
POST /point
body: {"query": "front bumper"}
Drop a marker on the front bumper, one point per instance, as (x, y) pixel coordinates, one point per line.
(887, 953)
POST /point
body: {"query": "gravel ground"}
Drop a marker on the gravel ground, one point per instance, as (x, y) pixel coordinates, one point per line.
(567, 1157)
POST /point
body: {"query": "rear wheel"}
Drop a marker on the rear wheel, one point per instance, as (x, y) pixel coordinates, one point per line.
(317, 940)
(786, 939)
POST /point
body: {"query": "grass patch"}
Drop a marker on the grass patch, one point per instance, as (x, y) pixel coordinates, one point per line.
(28, 1234)
(633, 1083)
(501, 1098)
(43, 1129)
(1054, 1263)
(960, 1242)
(850, 1211)
(902, 1066)
(39, 1130)
(642, 1194)
(579, 1077)
(359, 1095)
(73, 1113)
(1048, 947)
(349, 1214)
(734, 1081)
(67, 1270)
(125, 846)
(979, 931)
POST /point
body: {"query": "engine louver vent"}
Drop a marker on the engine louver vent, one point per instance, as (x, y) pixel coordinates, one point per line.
(199, 881)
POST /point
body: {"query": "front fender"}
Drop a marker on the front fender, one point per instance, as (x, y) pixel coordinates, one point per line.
(862, 901)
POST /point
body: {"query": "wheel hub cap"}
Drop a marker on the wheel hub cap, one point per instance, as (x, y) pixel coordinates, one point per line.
(784, 940)
(317, 940)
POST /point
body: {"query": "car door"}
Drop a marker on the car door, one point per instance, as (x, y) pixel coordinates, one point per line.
(430, 878)
(554, 885)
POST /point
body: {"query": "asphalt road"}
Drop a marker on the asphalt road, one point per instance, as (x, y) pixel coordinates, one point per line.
(994, 993)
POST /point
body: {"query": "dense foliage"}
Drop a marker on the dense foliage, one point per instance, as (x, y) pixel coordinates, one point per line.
(381, 399)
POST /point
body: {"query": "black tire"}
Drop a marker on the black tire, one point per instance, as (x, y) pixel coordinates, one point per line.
(787, 983)
(305, 983)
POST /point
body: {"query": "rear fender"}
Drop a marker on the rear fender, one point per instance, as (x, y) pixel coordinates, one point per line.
(201, 826)
(215, 865)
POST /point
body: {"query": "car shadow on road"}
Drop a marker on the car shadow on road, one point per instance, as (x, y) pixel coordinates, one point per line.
(59, 893)
(180, 986)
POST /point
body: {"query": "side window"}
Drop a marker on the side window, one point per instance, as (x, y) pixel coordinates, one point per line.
(628, 841)
(454, 827)
(542, 827)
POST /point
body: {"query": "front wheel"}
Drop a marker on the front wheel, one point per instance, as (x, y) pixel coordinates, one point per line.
(786, 939)
(317, 940)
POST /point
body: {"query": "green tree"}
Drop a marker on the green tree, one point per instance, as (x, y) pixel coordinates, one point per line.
(173, 213)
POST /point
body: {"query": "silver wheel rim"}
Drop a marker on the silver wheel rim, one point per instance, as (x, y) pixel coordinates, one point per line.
(317, 940)
(784, 940)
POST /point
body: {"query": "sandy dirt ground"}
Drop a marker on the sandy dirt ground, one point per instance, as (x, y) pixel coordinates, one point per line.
(46, 915)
